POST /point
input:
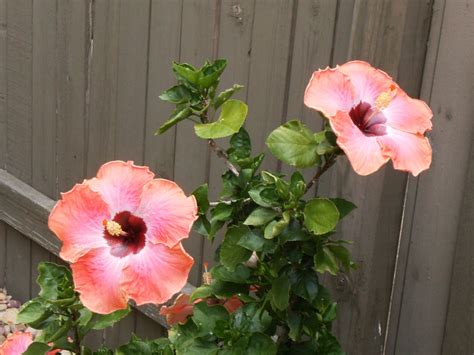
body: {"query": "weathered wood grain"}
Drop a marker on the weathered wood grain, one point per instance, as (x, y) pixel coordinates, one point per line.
(101, 94)
(459, 329)
(3, 83)
(132, 67)
(18, 265)
(19, 87)
(74, 48)
(165, 38)
(3, 252)
(268, 70)
(438, 210)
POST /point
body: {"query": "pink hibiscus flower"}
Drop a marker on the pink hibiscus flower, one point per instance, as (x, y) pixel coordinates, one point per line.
(18, 343)
(373, 118)
(121, 231)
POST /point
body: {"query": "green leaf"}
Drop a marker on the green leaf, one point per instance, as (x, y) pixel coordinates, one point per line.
(55, 281)
(37, 348)
(206, 317)
(305, 284)
(325, 261)
(240, 146)
(260, 216)
(297, 184)
(342, 254)
(264, 196)
(320, 215)
(186, 72)
(241, 274)
(252, 241)
(178, 115)
(261, 344)
(226, 95)
(280, 293)
(177, 94)
(102, 321)
(231, 253)
(294, 232)
(295, 325)
(294, 144)
(54, 331)
(221, 212)
(274, 228)
(202, 200)
(200, 292)
(210, 73)
(330, 313)
(33, 311)
(344, 207)
(232, 117)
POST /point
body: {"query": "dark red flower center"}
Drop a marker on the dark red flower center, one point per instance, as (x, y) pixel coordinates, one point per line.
(125, 234)
(370, 121)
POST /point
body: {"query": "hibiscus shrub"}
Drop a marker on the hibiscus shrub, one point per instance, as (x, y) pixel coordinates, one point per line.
(122, 230)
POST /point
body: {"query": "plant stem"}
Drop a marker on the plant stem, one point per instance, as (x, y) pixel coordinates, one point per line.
(77, 337)
(321, 170)
(218, 150)
(223, 155)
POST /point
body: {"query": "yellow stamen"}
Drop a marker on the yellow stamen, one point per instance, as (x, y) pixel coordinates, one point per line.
(113, 228)
(384, 99)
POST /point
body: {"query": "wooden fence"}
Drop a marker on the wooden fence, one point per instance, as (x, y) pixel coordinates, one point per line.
(79, 81)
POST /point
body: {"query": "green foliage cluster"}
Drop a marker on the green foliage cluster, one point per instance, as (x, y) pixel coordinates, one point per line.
(266, 218)
(59, 314)
(278, 241)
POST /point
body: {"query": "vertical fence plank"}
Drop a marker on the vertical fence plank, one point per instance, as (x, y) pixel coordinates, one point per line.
(268, 71)
(437, 211)
(19, 66)
(3, 83)
(17, 270)
(3, 252)
(190, 164)
(44, 107)
(459, 329)
(165, 31)
(44, 97)
(74, 46)
(102, 90)
(132, 76)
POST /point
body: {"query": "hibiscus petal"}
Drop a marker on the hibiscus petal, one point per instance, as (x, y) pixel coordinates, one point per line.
(409, 152)
(120, 184)
(179, 311)
(407, 114)
(168, 213)
(77, 221)
(156, 273)
(97, 277)
(368, 81)
(329, 91)
(16, 344)
(363, 152)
